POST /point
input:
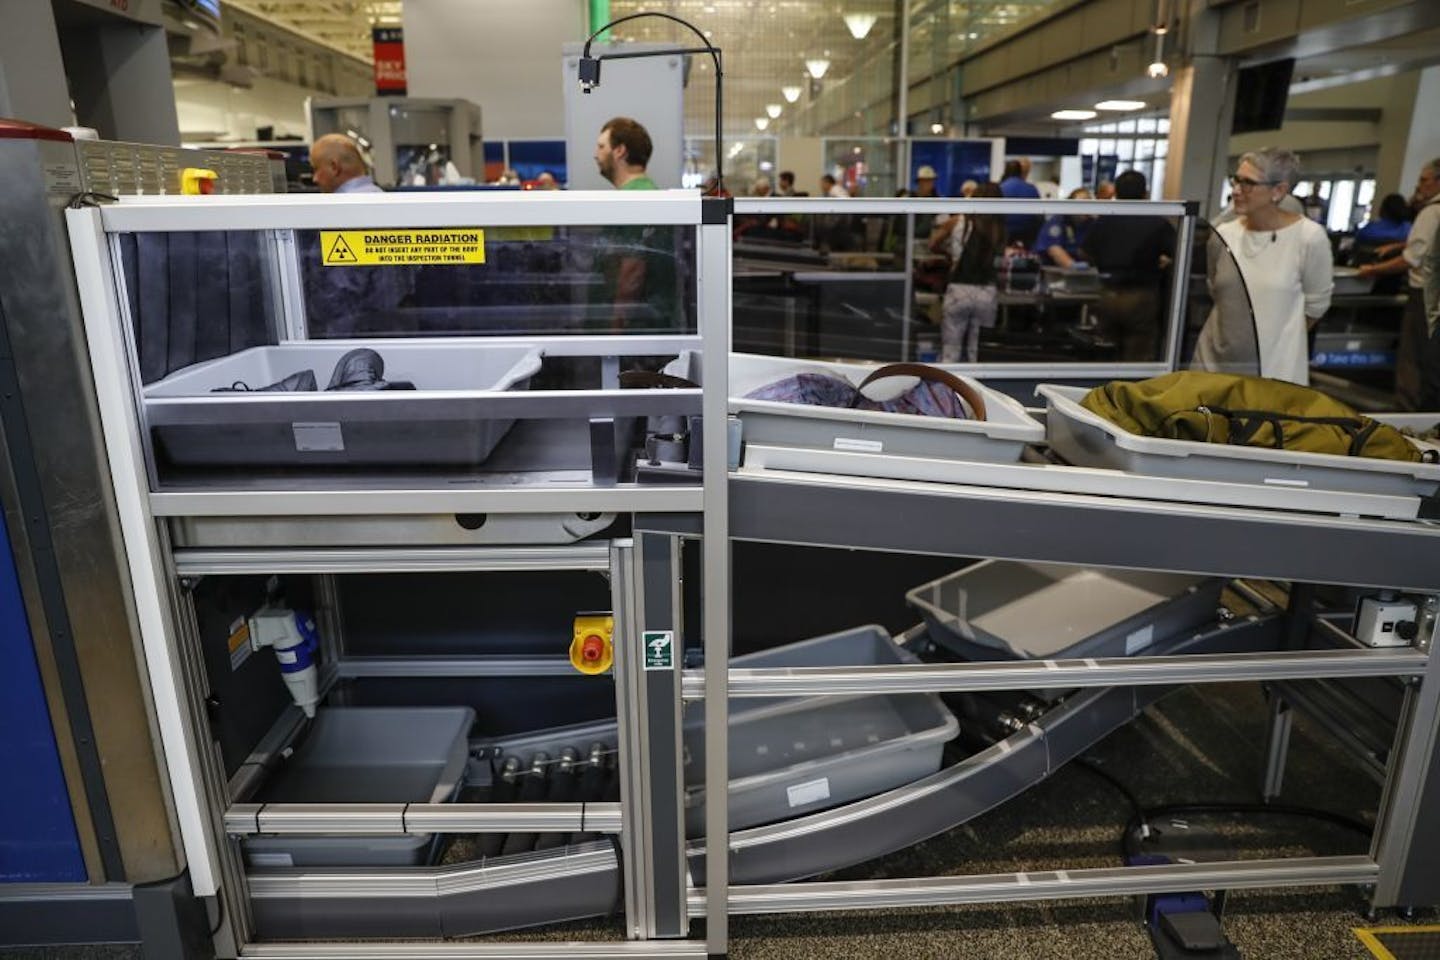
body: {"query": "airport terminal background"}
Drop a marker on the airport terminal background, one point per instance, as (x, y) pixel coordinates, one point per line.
(1320, 113)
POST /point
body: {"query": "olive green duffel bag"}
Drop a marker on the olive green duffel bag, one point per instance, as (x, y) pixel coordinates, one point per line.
(1247, 411)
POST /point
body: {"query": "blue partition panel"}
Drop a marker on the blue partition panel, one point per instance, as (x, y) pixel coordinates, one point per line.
(37, 831)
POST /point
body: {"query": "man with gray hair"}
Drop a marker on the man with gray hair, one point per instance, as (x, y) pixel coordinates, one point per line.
(338, 166)
(1417, 360)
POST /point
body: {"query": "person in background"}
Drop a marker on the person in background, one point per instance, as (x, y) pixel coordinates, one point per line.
(1019, 227)
(968, 188)
(760, 187)
(973, 242)
(925, 178)
(637, 262)
(338, 166)
(1132, 255)
(1105, 190)
(1391, 224)
(622, 151)
(1062, 236)
(785, 185)
(830, 187)
(1417, 361)
(546, 181)
(1284, 263)
(1432, 287)
(925, 182)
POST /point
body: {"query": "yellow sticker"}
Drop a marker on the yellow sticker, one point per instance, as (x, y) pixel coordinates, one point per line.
(368, 248)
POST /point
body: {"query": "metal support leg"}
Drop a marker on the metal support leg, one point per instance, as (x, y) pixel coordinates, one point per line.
(1277, 745)
(715, 330)
(1404, 852)
(646, 583)
(171, 921)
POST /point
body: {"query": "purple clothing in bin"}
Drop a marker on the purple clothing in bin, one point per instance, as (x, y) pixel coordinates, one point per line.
(822, 390)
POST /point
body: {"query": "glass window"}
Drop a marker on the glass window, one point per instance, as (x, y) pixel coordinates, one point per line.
(1164, 125)
(1126, 126)
(1089, 147)
(1366, 196)
(1126, 150)
(1148, 125)
(1325, 188)
(1162, 148)
(1144, 149)
(1341, 206)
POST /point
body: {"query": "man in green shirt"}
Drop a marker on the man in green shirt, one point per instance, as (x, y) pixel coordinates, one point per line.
(639, 267)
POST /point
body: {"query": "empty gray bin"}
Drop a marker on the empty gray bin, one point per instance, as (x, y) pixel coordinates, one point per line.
(796, 755)
(1086, 439)
(1003, 610)
(440, 422)
(366, 755)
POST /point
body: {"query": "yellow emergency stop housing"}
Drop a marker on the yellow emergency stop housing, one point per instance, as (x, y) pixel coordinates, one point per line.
(592, 650)
(198, 180)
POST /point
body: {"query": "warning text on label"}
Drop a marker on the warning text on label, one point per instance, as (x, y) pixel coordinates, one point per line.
(369, 248)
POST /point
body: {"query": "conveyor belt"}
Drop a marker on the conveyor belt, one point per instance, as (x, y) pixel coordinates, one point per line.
(583, 880)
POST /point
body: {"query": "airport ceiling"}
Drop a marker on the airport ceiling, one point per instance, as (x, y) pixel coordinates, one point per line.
(341, 23)
(766, 43)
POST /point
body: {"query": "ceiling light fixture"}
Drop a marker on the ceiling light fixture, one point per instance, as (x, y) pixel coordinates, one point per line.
(761, 123)
(817, 67)
(791, 94)
(1120, 105)
(860, 24)
(1073, 115)
(774, 110)
(937, 128)
(1158, 68)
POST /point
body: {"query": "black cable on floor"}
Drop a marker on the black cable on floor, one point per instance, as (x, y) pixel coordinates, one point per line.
(219, 915)
(1247, 809)
(1137, 812)
(1114, 781)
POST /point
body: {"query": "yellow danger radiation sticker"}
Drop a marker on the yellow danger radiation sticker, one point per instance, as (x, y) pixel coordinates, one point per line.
(369, 248)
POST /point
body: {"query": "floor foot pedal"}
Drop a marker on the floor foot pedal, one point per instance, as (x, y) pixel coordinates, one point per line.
(1194, 935)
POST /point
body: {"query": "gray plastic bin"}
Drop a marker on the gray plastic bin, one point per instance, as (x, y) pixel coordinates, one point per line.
(801, 754)
(432, 424)
(1000, 438)
(1089, 440)
(795, 755)
(1003, 610)
(367, 755)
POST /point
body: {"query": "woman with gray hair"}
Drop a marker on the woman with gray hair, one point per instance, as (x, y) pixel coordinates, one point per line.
(1284, 264)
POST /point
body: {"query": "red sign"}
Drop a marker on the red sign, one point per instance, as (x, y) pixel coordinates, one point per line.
(389, 61)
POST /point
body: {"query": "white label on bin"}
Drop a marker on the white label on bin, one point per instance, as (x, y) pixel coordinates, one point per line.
(318, 436)
(1140, 639)
(812, 791)
(271, 860)
(859, 446)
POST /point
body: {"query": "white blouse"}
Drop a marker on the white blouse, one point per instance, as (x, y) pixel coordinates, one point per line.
(1289, 276)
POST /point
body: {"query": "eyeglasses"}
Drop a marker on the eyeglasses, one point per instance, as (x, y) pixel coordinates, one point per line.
(1245, 183)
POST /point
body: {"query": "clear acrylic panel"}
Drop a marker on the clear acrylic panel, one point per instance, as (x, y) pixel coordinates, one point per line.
(1062, 289)
(538, 281)
(265, 361)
